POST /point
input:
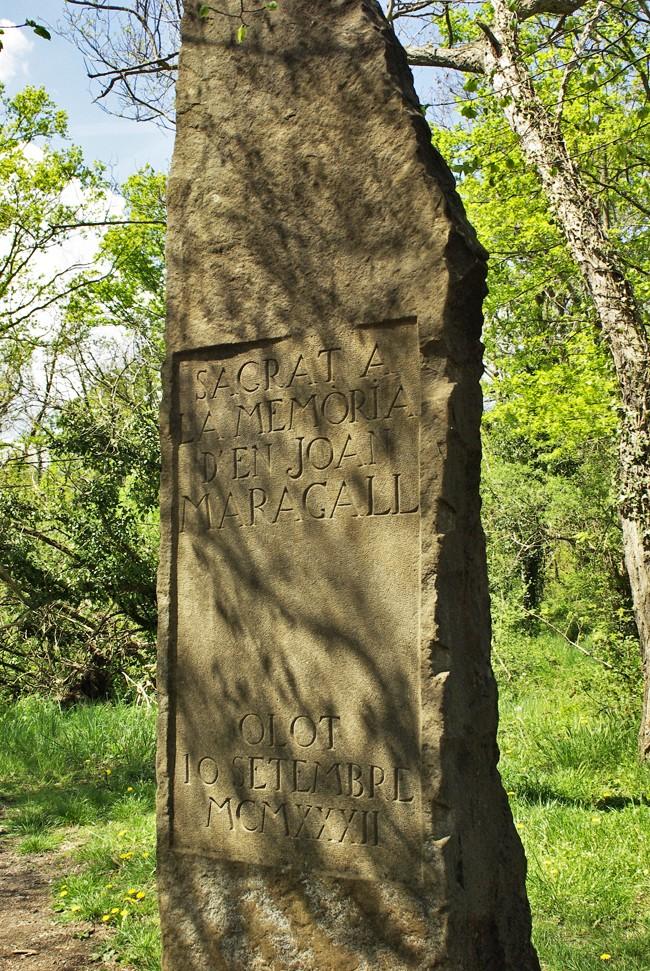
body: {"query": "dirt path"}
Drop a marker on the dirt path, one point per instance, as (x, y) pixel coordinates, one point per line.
(30, 940)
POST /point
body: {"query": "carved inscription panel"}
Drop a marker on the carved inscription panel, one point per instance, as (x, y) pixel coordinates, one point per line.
(296, 701)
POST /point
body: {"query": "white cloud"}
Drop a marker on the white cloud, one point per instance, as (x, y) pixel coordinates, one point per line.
(14, 56)
(78, 248)
(62, 262)
(73, 254)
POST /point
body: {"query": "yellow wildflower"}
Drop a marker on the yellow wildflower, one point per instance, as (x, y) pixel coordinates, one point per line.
(75, 908)
(126, 856)
(605, 957)
(64, 893)
(115, 910)
(106, 917)
(140, 895)
(124, 913)
(108, 771)
(122, 833)
(129, 789)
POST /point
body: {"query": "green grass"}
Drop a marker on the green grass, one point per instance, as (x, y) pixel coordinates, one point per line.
(86, 775)
(580, 799)
(44, 744)
(40, 843)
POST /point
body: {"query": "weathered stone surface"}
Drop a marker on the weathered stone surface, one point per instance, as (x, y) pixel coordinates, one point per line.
(328, 793)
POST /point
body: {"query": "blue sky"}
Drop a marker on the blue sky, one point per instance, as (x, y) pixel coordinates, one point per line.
(58, 66)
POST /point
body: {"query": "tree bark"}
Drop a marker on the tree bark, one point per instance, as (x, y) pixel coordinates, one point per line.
(543, 146)
(636, 563)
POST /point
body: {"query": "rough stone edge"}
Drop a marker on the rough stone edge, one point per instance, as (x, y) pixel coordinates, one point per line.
(459, 358)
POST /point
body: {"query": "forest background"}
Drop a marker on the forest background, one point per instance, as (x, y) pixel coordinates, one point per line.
(81, 342)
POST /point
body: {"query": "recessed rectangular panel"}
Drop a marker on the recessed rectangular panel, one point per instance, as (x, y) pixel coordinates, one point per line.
(295, 708)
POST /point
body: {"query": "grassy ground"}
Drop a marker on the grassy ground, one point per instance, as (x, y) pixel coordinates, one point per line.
(581, 801)
(582, 805)
(86, 776)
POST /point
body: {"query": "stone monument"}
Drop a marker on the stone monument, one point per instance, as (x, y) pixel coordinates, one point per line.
(328, 791)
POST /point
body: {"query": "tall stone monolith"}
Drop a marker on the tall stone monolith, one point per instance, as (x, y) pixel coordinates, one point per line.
(328, 790)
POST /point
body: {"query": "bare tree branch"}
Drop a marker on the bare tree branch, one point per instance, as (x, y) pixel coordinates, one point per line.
(111, 222)
(575, 60)
(131, 51)
(465, 57)
(560, 8)
(158, 64)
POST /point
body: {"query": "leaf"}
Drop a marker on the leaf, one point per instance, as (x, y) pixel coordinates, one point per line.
(272, 5)
(240, 36)
(39, 29)
(204, 10)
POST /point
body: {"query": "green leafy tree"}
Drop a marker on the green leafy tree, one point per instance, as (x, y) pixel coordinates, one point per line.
(551, 424)
(45, 187)
(79, 475)
(553, 69)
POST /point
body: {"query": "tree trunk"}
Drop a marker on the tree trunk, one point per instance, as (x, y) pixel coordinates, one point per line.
(636, 563)
(544, 148)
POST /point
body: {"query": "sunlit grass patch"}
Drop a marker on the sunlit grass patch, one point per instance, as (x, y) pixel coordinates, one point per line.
(40, 843)
(581, 801)
(75, 767)
(116, 887)
(117, 873)
(102, 745)
(88, 773)
(138, 944)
